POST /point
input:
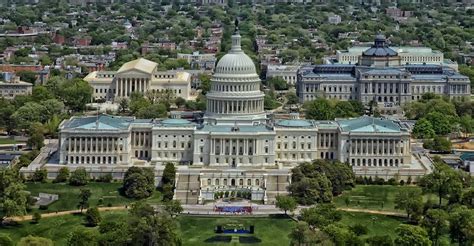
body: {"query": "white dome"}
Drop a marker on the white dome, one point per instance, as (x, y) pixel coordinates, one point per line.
(235, 62)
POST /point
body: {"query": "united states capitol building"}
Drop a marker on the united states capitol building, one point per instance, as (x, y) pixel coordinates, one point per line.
(238, 146)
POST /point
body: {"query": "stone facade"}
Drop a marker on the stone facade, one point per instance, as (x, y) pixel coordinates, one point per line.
(237, 147)
(140, 75)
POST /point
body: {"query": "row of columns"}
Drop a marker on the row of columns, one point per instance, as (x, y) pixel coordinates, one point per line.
(92, 159)
(125, 86)
(376, 147)
(459, 89)
(327, 140)
(141, 139)
(228, 181)
(92, 144)
(235, 107)
(219, 146)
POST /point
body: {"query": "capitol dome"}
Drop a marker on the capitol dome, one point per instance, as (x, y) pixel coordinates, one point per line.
(236, 62)
(235, 86)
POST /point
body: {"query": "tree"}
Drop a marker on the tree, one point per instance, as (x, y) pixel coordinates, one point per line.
(81, 237)
(439, 143)
(409, 235)
(27, 76)
(93, 217)
(138, 182)
(277, 83)
(169, 174)
(380, 240)
(112, 232)
(123, 105)
(439, 121)
(461, 224)
(76, 94)
(5, 240)
(342, 235)
(443, 181)
(286, 203)
(36, 141)
(36, 218)
(150, 228)
(423, 129)
(27, 114)
(13, 198)
(411, 201)
(179, 101)
(468, 198)
(152, 111)
(36, 241)
(79, 177)
(84, 196)
(292, 98)
(173, 207)
(436, 224)
(168, 192)
(205, 83)
(319, 109)
(321, 215)
(63, 175)
(40, 175)
(302, 234)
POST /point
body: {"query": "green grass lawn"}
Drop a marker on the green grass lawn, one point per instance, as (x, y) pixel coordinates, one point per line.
(195, 230)
(54, 228)
(69, 195)
(377, 197)
(7, 141)
(376, 224)
(269, 231)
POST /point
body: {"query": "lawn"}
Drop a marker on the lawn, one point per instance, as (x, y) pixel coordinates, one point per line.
(7, 141)
(103, 194)
(195, 230)
(55, 228)
(377, 197)
(268, 230)
(376, 224)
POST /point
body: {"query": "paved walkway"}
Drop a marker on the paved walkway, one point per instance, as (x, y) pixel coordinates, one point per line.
(46, 215)
(208, 209)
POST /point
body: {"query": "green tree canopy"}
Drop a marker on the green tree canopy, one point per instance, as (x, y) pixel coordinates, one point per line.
(409, 235)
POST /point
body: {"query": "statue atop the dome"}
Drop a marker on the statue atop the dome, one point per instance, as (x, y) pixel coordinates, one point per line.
(236, 25)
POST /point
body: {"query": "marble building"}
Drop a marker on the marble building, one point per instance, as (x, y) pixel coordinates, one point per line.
(237, 147)
(380, 75)
(139, 75)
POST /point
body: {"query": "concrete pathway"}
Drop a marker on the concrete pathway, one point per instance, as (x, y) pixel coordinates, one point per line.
(208, 209)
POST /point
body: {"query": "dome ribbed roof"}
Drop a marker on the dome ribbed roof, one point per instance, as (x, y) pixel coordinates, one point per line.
(236, 62)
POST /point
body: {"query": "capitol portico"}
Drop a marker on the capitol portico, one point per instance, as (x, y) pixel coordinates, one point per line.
(238, 147)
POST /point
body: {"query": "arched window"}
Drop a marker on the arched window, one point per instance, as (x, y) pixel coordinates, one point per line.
(241, 182)
(216, 181)
(209, 182)
(249, 182)
(257, 182)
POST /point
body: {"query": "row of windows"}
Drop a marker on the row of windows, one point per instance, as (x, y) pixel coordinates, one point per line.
(376, 162)
(247, 87)
(233, 182)
(293, 146)
(293, 156)
(93, 159)
(174, 144)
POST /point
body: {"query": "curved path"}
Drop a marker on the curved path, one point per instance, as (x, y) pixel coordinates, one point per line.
(189, 210)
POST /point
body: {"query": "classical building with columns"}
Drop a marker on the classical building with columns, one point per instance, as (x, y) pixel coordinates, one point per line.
(380, 75)
(139, 75)
(238, 146)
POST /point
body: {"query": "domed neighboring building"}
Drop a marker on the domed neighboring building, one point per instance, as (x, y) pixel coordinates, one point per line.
(380, 55)
(235, 94)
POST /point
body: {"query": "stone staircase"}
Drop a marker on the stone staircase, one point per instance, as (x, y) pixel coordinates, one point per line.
(187, 188)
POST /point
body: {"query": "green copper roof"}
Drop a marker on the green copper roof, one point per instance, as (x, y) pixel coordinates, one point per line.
(101, 122)
(175, 122)
(294, 123)
(369, 124)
